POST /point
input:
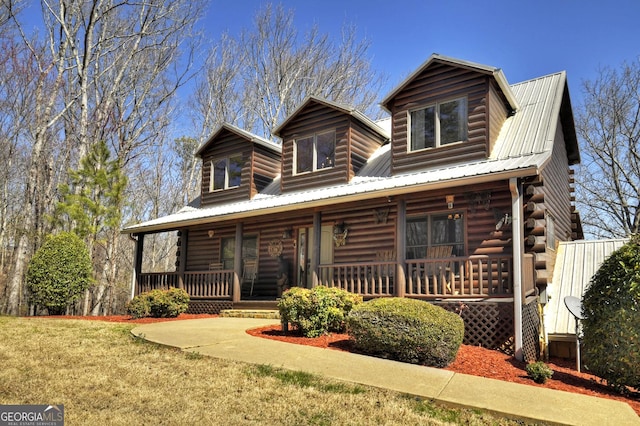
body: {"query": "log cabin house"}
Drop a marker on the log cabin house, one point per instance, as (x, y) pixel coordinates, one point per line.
(458, 198)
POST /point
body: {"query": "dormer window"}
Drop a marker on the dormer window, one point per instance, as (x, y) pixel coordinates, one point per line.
(439, 124)
(226, 173)
(315, 152)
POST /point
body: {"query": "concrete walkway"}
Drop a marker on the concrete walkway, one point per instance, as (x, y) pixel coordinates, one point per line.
(226, 338)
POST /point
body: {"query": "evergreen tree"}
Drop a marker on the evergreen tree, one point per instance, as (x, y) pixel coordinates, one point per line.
(92, 203)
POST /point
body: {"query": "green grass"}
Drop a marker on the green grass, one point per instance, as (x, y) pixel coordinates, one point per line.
(103, 375)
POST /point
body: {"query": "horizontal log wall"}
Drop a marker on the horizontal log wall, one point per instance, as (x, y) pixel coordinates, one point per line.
(316, 118)
(480, 214)
(437, 83)
(371, 230)
(228, 144)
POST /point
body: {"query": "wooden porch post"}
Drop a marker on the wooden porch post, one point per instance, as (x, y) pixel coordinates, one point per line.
(317, 237)
(137, 261)
(401, 236)
(182, 266)
(237, 265)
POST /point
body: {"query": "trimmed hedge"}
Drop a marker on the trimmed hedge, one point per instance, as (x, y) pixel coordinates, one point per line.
(317, 311)
(406, 330)
(159, 304)
(59, 272)
(611, 325)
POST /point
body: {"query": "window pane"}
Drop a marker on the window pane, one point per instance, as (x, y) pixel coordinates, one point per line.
(219, 173)
(416, 238)
(235, 170)
(326, 148)
(304, 155)
(423, 129)
(249, 247)
(453, 121)
(228, 252)
(448, 230)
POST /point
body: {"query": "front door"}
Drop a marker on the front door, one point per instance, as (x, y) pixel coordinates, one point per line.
(306, 251)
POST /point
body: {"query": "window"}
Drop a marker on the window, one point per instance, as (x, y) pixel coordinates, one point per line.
(440, 124)
(315, 152)
(551, 232)
(226, 173)
(445, 229)
(228, 250)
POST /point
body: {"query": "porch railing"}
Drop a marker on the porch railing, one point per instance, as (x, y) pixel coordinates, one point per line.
(198, 284)
(454, 277)
(365, 278)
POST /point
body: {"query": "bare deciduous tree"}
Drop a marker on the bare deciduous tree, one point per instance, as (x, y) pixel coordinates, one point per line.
(109, 72)
(609, 126)
(258, 80)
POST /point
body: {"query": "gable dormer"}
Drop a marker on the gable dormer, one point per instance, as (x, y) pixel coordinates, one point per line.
(236, 165)
(325, 143)
(447, 112)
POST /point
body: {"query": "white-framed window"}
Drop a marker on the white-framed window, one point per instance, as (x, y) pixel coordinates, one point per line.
(314, 152)
(225, 173)
(439, 229)
(438, 124)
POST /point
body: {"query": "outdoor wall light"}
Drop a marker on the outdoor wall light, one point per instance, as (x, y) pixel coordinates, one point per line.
(450, 199)
(211, 233)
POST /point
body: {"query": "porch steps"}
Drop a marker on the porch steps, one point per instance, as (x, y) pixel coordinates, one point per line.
(250, 313)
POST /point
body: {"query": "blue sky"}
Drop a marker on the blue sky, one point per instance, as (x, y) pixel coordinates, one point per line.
(527, 39)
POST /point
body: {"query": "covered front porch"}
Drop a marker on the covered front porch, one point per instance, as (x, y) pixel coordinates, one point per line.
(471, 278)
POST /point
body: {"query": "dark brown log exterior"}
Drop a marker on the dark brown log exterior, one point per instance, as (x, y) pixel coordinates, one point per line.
(441, 82)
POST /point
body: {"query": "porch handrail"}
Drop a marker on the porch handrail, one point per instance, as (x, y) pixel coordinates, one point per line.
(370, 279)
(216, 284)
(460, 276)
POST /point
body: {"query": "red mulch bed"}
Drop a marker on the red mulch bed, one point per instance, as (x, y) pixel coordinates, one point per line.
(472, 360)
(478, 361)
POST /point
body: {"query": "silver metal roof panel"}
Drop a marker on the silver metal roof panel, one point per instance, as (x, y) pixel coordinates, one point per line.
(576, 263)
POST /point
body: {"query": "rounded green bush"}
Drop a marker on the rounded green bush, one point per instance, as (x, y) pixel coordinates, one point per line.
(59, 272)
(611, 325)
(406, 330)
(159, 303)
(317, 311)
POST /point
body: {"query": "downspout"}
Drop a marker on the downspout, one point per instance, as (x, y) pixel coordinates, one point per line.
(518, 251)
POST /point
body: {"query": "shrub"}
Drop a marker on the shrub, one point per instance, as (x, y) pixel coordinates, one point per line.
(406, 330)
(59, 272)
(139, 306)
(159, 304)
(539, 371)
(317, 311)
(611, 325)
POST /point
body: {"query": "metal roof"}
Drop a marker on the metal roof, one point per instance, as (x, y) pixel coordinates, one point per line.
(496, 72)
(243, 133)
(337, 106)
(523, 147)
(576, 263)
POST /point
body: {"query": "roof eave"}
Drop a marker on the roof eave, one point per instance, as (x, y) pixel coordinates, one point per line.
(242, 133)
(495, 72)
(388, 192)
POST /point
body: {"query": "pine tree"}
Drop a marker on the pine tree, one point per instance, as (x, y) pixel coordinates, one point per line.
(91, 206)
